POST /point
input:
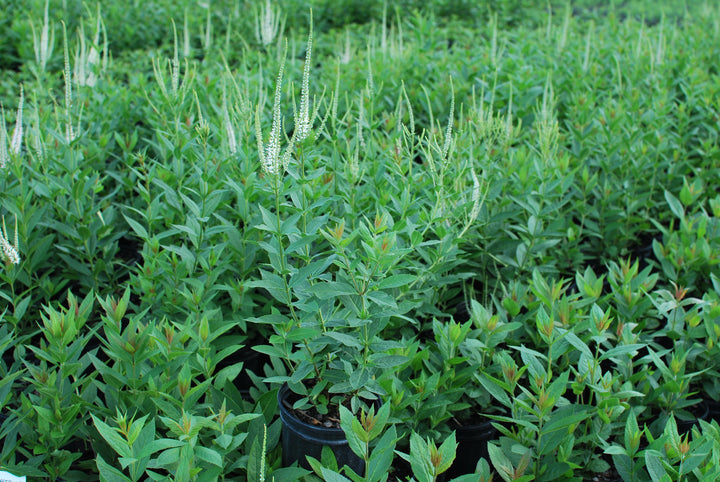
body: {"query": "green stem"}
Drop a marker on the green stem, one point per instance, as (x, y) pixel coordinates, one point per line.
(283, 273)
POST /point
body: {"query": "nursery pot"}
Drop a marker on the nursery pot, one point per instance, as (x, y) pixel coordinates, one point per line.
(300, 439)
(714, 410)
(472, 443)
(252, 361)
(702, 412)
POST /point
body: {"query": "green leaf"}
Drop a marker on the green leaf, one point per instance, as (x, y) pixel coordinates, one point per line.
(389, 361)
(624, 465)
(109, 473)
(157, 445)
(331, 476)
(303, 370)
(346, 423)
(420, 458)
(654, 466)
(270, 350)
(137, 227)
(327, 459)
(287, 473)
(345, 339)
(558, 386)
(502, 464)
(269, 219)
(209, 455)
(578, 343)
(615, 450)
(447, 452)
(396, 281)
(300, 334)
(382, 299)
(559, 427)
(621, 350)
(675, 205)
(382, 456)
(113, 438)
(359, 378)
(632, 434)
(495, 387)
(381, 419)
(332, 289)
(300, 243)
(135, 429)
(530, 359)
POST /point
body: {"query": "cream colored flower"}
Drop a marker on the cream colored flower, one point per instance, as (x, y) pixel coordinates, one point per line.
(304, 121)
(17, 135)
(268, 24)
(9, 251)
(270, 153)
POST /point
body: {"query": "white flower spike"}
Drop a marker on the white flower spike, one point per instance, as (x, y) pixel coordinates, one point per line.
(9, 251)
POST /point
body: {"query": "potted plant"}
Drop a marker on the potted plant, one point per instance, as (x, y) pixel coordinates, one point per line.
(444, 395)
(676, 362)
(333, 290)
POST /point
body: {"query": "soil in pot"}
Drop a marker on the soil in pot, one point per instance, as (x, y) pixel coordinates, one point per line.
(301, 438)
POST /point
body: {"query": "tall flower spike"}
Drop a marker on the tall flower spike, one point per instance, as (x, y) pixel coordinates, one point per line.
(9, 251)
(475, 197)
(270, 153)
(451, 119)
(16, 141)
(547, 128)
(44, 45)
(345, 56)
(267, 24)
(370, 82)
(37, 142)
(229, 129)
(69, 134)
(304, 122)
(4, 156)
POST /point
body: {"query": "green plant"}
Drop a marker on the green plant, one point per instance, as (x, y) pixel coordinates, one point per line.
(670, 456)
(335, 287)
(195, 447)
(443, 394)
(570, 189)
(52, 416)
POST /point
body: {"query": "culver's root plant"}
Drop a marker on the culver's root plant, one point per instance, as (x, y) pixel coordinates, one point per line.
(333, 288)
(553, 171)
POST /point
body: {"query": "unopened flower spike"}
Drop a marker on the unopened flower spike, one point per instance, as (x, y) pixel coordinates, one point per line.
(4, 156)
(16, 140)
(304, 122)
(69, 133)
(229, 129)
(451, 119)
(202, 128)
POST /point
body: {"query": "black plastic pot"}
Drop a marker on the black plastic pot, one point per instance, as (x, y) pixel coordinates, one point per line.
(703, 413)
(300, 439)
(253, 361)
(472, 444)
(714, 410)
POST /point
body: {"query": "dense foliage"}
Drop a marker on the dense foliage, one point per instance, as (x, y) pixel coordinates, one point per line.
(468, 210)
